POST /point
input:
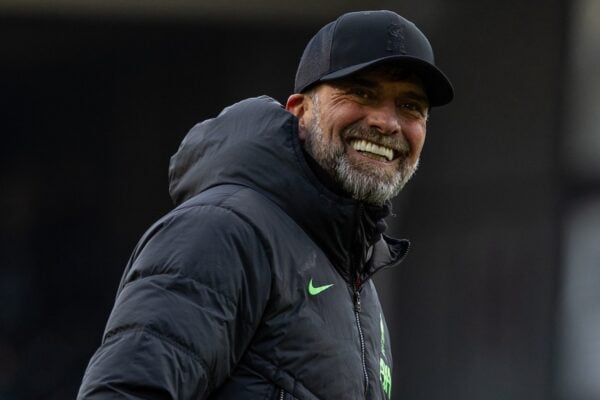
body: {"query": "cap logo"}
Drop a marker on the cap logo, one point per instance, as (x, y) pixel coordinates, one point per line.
(395, 43)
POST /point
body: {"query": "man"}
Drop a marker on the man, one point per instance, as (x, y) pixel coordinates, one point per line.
(258, 284)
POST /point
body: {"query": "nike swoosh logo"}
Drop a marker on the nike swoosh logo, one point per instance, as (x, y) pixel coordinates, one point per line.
(313, 291)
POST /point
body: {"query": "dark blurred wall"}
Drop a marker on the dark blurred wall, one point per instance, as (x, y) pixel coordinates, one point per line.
(93, 109)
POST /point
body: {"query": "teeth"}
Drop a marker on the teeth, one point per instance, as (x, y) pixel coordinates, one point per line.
(363, 145)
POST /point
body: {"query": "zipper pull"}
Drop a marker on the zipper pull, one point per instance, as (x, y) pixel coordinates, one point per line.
(357, 285)
(356, 300)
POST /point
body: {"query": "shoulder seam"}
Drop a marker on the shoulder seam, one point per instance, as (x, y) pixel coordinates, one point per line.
(239, 215)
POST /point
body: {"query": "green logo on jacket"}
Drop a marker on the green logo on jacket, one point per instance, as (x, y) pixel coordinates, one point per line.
(386, 377)
(385, 372)
(315, 290)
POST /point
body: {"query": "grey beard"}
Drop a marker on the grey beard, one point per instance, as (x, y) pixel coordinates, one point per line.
(371, 188)
(359, 179)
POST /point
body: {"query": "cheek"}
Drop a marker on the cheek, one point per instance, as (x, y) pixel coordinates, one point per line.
(331, 131)
(416, 138)
(340, 117)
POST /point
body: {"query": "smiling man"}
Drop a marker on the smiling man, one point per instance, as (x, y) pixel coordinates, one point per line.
(366, 131)
(258, 284)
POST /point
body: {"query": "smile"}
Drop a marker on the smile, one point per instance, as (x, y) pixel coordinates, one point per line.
(372, 149)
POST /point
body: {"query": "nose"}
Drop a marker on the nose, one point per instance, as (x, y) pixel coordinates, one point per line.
(385, 119)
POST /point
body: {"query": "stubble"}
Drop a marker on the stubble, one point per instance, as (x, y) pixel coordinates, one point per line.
(361, 179)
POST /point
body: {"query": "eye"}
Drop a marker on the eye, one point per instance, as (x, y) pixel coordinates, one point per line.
(360, 92)
(411, 106)
(414, 108)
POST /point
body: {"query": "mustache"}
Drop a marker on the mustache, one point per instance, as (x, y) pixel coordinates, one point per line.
(396, 142)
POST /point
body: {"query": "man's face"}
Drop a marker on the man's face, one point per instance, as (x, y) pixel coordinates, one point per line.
(366, 130)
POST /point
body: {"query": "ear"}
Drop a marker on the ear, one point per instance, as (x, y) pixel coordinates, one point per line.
(296, 104)
(299, 105)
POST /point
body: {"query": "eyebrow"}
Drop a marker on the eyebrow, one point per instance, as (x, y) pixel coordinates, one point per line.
(410, 94)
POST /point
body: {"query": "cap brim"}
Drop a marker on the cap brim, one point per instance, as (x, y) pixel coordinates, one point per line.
(437, 86)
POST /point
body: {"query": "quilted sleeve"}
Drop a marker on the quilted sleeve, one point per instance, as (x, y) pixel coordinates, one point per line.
(190, 300)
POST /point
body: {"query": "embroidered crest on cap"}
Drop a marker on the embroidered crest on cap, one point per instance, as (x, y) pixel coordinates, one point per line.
(395, 43)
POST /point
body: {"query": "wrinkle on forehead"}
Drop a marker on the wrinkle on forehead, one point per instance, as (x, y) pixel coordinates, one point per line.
(410, 86)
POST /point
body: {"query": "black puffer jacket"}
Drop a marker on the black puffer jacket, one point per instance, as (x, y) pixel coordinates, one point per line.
(256, 285)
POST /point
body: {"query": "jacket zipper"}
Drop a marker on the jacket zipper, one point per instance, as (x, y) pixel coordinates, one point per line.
(361, 336)
(355, 269)
(281, 394)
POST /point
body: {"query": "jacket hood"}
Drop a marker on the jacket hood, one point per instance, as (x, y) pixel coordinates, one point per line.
(255, 143)
(252, 143)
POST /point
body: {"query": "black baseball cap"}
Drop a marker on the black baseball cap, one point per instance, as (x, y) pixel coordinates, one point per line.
(358, 40)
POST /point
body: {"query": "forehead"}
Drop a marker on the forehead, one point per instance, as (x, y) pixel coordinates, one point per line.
(386, 76)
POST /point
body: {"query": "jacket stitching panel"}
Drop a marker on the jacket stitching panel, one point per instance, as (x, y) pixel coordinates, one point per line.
(171, 340)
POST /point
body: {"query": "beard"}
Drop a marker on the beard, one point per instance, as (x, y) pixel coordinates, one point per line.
(360, 178)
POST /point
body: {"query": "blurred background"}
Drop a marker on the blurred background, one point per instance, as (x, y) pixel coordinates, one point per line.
(499, 297)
